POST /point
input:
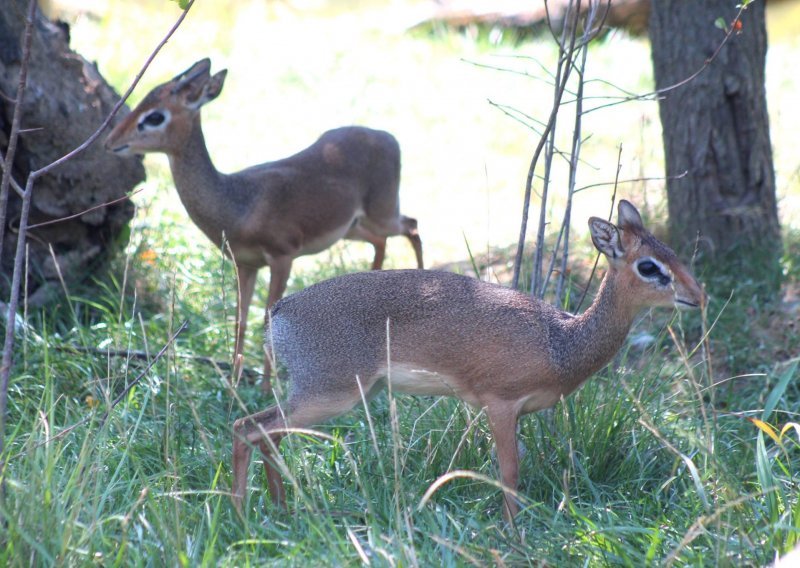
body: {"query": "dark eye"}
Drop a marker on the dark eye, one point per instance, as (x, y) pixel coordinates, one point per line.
(154, 118)
(648, 268)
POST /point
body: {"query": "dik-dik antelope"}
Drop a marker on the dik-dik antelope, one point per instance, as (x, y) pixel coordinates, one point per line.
(345, 185)
(490, 346)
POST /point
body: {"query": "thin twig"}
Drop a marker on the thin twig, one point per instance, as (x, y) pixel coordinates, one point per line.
(85, 211)
(134, 382)
(576, 152)
(610, 214)
(561, 82)
(13, 136)
(12, 182)
(144, 355)
(88, 142)
(11, 319)
(565, 66)
(507, 110)
(706, 64)
(631, 180)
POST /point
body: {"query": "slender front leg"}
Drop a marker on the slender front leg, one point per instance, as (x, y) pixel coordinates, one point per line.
(503, 424)
(247, 284)
(279, 270)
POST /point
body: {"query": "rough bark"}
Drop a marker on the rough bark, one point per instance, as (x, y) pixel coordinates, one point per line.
(66, 101)
(716, 129)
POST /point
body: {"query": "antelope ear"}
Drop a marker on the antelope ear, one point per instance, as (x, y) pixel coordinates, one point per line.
(628, 216)
(197, 69)
(605, 237)
(203, 89)
(196, 86)
(214, 86)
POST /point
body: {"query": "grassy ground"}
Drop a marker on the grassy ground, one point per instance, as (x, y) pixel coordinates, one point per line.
(660, 459)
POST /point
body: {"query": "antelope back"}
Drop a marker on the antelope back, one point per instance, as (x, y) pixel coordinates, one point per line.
(164, 120)
(647, 272)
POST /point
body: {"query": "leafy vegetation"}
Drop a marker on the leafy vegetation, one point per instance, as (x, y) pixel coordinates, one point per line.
(684, 451)
(645, 463)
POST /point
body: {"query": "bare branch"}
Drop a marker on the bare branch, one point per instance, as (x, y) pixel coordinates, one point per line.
(706, 64)
(16, 118)
(561, 82)
(85, 211)
(6, 98)
(515, 114)
(14, 185)
(566, 57)
(631, 180)
(550, 81)
(143, 355)
(573, 165)
(11, 320)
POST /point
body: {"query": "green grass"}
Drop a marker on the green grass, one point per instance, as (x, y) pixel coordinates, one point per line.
(643, 464)
(648, 464)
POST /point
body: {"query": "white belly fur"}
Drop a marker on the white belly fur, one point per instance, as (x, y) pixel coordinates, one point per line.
(413, 380)
(536, 401)
(321, 242)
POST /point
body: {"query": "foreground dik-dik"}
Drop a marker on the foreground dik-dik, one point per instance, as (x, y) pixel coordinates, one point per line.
(345, 185)
(492, 347)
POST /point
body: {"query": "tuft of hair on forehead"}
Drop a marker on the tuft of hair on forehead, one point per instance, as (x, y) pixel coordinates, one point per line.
(153, 96)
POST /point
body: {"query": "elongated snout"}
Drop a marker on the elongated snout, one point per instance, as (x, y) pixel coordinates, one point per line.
(121, 150)
(689, 293)
(113, 144)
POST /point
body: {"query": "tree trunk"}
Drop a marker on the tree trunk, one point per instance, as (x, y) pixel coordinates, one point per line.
(716, 129)
(65, 102)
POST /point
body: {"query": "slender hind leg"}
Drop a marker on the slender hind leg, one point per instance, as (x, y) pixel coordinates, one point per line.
(358, 232)
(302, 410)
(412, 234)
(274, 482)
(247, 432)
(376, 231)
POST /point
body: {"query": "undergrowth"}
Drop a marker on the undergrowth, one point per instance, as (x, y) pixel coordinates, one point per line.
(655, 460)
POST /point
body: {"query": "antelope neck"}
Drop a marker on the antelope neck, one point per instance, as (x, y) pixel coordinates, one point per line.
(591, 339)
(202, 189)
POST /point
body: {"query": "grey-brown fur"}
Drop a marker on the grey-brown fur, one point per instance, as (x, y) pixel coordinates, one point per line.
(438, 321)
(345, 185)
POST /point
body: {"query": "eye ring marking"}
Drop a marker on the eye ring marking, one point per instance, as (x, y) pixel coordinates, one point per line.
(153, 119)
(650, 269)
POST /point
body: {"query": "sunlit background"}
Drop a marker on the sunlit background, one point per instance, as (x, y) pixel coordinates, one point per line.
(297, 68)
